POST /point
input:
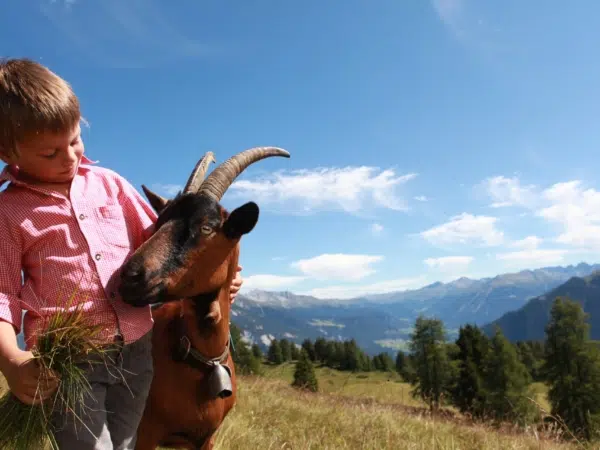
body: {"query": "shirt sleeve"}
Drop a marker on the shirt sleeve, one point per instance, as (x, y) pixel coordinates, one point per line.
(10, 284)
(140, 216)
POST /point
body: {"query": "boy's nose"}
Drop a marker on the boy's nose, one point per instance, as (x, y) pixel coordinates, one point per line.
(70, 157)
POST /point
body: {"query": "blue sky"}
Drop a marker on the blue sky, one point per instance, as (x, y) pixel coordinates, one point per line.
(429, 139)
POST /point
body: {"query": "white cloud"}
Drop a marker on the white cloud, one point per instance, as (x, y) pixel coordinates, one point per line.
(528, 243)
(269, 282)
(570, 206)
(348, 291)
(376, 229)
(348, 189)
(576, 211)
(421, 198)
(509, 192)
(449, 263)
(337, 266)
(465, 229)
(533, 257)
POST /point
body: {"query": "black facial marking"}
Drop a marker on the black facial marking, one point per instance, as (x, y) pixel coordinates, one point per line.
(241, 221)
(187, 213)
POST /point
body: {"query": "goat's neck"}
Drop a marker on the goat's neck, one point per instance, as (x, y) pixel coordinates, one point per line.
(206, 319)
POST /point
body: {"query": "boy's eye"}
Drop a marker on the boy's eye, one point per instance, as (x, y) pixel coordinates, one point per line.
(49, 154)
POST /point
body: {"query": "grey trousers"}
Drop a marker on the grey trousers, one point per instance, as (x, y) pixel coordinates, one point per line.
(120, 390)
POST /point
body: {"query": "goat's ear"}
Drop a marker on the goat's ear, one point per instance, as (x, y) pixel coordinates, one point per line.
(156, 201)
(241, 221)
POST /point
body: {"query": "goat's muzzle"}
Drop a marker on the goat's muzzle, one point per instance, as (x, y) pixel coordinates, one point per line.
(136, 288)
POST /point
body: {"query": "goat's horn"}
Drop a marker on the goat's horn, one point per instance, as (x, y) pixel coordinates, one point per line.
(197, 177)
(223, 176)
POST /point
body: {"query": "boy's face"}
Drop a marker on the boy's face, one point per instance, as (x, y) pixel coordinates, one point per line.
(50, 157)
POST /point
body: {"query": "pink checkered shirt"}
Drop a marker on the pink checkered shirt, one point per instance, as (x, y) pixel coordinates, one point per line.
(65, 246)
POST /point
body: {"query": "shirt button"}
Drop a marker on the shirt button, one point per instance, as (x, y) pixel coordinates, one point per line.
(98, 256)
(81, 216)
(112, 295)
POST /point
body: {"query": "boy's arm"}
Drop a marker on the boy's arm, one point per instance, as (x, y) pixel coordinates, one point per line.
(10, 303)
(10, 282)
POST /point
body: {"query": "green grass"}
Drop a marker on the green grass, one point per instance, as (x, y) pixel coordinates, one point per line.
(270, 414)
(357, 411)
(386, 388)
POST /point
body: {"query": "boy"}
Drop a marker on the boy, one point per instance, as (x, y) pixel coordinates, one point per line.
(68, 226)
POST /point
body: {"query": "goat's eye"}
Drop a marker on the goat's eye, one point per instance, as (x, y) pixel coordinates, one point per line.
(206, 229)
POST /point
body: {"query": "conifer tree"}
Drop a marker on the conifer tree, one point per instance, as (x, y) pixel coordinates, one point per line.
(274, 355)
(572, 368)
(304, 374)
(351, 357)
(321, 349)
(507, 383)
(404, 366)
(243, 357)
(257, 352)
(432, 368)
(469, 393)
(383, 363)
(334, 355)
(309, 348)
(295, 351)
(286, 349)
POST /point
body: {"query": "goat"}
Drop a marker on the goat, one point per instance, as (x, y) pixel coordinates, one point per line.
(186, 267)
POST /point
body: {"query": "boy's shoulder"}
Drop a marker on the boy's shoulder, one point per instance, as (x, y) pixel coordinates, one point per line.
(100, 171)
(108, 177)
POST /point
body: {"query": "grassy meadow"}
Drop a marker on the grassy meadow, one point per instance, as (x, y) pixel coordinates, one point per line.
(356, 411)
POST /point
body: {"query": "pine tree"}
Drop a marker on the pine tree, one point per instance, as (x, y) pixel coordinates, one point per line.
(365, 363)
(572, 368)
(304, 374)
(469, 393)
(321, 349)
(404, 366)
(383, 363)
(432, 368)
(507, 383)
(286, 349)
(351, 357)
(334, 355)
(401, 361)
(295, 351)
(309, 348)
(257, 352)
(245, 361)
(274, 355)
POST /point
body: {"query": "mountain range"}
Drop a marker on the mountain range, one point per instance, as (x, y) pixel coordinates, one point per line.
(384, 321)
(529, 321)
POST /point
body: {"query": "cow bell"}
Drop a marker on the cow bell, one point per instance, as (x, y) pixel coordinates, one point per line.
(219, 381)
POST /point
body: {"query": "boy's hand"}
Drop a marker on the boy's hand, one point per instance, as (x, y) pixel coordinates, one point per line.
(25, 380)
(236, 284)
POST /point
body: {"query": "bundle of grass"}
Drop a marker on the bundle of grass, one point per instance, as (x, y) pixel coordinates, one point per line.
(67, 343)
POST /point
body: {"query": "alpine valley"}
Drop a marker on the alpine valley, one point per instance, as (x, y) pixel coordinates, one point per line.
(384, 322)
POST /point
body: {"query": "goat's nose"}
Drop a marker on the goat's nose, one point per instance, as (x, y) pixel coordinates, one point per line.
(134, 272)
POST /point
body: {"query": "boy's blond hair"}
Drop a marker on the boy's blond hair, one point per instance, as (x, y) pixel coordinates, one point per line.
(33, 100)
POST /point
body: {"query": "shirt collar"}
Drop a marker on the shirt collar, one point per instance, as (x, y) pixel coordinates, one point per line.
(10, 171)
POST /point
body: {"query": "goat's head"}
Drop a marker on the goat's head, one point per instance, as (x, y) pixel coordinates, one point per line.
(195, 239)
